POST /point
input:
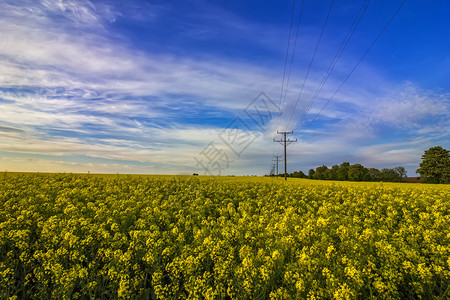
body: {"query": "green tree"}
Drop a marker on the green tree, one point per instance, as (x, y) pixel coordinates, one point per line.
(388, 175)
(357, 172)
(321, 172)
(311, 173)
(297, 174)
(332, 174)
(401, 172)
(435, 165)
(374, 174)
(343, 171)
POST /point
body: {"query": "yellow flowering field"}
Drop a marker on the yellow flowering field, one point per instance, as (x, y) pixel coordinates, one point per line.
(66, 236)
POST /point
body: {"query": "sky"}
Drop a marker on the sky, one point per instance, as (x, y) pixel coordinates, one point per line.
(177, 87)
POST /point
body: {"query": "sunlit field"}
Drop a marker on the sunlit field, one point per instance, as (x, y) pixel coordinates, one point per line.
(68, 236)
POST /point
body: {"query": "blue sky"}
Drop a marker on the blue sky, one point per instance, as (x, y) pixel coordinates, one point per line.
(156, 86)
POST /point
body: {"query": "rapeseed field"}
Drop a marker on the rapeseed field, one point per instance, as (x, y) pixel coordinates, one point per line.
(67, 236)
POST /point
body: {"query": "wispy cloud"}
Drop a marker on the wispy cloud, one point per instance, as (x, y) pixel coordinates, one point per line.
(73, 85)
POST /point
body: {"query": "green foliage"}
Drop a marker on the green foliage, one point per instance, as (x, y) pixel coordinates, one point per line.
(374, 174)
(401, 172)
(389, 175)
(332, 174)
(342, 173)
(297, 174)
(435, 165)
(357, 172)
(321, 172)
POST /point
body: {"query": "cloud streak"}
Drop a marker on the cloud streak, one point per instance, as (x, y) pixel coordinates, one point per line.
(74, 85)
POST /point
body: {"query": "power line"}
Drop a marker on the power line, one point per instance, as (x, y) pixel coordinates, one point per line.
(292, 59)
(287, 54)
(360, 60)
(285, 64)
(337, 56)
(272, 170)
(311, 62)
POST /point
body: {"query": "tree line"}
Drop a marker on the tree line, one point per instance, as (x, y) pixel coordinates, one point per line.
(434, 168)
(355, 172)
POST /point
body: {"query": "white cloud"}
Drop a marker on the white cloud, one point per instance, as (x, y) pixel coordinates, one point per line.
(410, 107)
(70, 73)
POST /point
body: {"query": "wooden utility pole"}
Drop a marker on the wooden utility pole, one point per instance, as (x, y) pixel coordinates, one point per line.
(285, 142)
(276, 159)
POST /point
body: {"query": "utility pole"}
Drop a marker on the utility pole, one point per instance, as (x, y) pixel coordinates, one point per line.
(272, 170)
(276, 159)
(285, 142)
